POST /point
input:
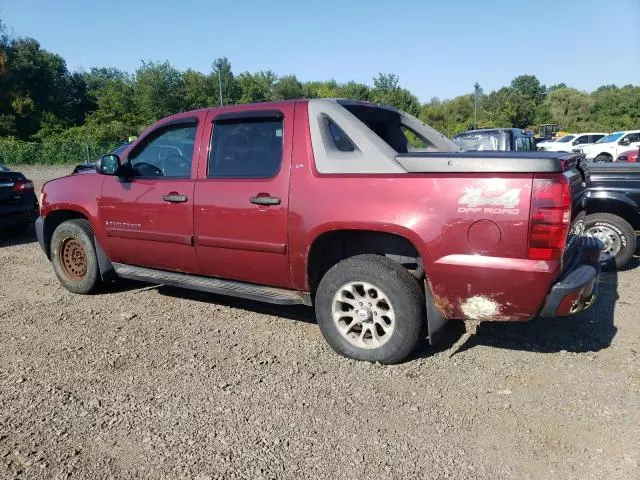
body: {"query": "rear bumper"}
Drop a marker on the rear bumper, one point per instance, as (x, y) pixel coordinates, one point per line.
(19, 214)
(577, 288)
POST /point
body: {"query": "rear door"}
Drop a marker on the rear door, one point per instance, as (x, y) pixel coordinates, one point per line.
(241, 196)
(148, 218)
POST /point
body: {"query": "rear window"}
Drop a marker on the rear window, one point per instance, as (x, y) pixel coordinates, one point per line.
(387, 124)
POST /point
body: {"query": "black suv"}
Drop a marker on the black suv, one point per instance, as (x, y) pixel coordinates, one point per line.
(18, 202)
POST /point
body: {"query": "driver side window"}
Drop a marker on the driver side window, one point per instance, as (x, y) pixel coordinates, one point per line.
(167, 152)
(633, 137)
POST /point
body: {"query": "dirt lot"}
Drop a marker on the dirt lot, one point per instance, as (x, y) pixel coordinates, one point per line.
(145, 382)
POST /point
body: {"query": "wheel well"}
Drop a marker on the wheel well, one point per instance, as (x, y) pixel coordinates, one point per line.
(616, 208)
(51, 223)
(603, 154)
(332, 247)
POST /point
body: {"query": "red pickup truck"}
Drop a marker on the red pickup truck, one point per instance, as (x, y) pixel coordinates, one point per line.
(377, 220)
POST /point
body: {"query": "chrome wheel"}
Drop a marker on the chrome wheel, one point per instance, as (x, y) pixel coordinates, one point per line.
(363, 315)
(609, 237)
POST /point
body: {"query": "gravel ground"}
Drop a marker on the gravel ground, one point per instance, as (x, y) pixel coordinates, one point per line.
(147, 382)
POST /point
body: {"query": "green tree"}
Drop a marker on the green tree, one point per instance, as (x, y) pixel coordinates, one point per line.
(616, 108)
(354, 91)
(570, 108)
(386, 90)
(321, 89)
(158, 91)
(111, 92)
(256, 87)
(199, 90)
(529, 87)
(286, 88)
(508, 107)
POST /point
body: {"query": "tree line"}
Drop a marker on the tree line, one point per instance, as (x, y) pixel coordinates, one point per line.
(41, 100)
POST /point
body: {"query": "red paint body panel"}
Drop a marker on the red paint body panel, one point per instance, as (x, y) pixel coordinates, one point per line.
(142, 229)
(235, 239)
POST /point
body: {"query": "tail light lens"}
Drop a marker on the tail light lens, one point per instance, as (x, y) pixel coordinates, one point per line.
(23, 186)
(550, 217)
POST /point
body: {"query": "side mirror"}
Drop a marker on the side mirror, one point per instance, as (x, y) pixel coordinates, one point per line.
(575, 142)
(108, 165)
(625, 142)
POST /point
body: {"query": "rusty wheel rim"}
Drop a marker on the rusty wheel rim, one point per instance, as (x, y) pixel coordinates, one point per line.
(74, 259)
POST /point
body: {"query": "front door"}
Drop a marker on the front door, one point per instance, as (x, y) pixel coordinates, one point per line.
(241, 196)
(148, 218)
(633, 140)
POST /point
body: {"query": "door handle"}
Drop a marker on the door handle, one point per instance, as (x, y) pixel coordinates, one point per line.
(174, 198)
(265, 200)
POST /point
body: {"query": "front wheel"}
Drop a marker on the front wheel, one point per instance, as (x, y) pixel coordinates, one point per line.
(370, 308)
(603, 157)
(73, 256)
(616, 234)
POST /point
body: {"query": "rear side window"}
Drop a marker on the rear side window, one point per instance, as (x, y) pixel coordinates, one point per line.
(523, 144)
(340, 139)
(246, 148)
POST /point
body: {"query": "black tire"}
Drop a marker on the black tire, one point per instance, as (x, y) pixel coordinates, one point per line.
(405, 298)
(73, 256)
(603, 157)
(618, 227)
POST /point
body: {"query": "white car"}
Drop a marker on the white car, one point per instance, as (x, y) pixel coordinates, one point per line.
(569, 142)
(609, 147)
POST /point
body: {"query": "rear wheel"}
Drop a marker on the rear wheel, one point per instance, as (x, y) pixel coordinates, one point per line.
(73, 256)
(616, 234)
(370, 308)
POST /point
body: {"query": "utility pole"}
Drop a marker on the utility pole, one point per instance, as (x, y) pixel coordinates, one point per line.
(218, 66)
(476, 89)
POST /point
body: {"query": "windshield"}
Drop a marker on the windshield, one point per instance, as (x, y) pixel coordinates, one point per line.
(483, 140)
(566, 138)
(611, 137)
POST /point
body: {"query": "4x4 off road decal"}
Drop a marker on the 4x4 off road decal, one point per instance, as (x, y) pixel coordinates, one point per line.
(475, 200)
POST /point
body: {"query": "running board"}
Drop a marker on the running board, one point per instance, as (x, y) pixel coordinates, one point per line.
(232, 288)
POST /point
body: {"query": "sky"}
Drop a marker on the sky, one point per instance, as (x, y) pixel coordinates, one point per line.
(438, 48)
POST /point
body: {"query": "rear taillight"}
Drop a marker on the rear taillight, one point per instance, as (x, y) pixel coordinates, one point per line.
(23, 186)
(550, 217)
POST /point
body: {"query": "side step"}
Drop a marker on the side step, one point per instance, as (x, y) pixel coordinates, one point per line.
(249, 291)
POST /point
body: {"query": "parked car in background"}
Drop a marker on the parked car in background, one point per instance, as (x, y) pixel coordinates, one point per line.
(18, 202)
(119, 150)
(610, 147)
(568, 142)
(613, 210)
(630, 156)
(326, 203)
(547, 132)
(504, 139)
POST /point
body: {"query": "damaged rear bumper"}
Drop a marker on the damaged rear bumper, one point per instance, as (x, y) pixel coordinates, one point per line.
(578, 285)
